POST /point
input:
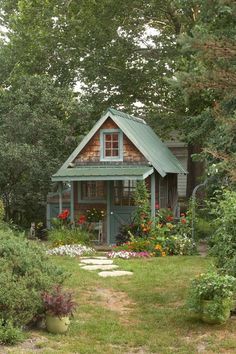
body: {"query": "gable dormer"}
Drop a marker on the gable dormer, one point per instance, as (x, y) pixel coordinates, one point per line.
(109, 144)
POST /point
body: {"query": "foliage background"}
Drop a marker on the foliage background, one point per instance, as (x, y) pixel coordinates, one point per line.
(171, 62)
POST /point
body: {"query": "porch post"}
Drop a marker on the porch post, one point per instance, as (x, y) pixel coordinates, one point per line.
(72, 216)
(48, 214)
(153, 195)
(108, 211)
(60, 197)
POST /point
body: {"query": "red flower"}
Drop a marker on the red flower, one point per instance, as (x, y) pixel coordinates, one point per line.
(157, 206)
(169, 218)
(64, 215)
(183, 221)
(182, 214)
(82, 219)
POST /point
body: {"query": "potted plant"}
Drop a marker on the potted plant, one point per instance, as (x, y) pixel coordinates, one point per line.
(59, 306)
(211, 297)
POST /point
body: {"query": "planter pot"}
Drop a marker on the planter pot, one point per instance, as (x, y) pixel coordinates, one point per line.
(216, 312)
(56, 324)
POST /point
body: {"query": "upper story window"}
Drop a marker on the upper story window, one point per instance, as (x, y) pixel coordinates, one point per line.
(111, 145)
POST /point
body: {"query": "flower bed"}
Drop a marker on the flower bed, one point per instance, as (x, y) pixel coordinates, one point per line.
(158, 246)
(71, 250)
(128, 255)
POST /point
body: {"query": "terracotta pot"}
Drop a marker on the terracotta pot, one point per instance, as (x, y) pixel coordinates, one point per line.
(56, 324)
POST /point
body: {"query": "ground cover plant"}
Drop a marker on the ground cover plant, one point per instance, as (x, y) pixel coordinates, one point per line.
(143, 313)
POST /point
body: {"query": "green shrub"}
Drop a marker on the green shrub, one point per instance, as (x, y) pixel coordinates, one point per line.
(203, 228)
(210, 286)
(9, 334)
(224, 238)
(2, 211)
(59, 237)
(142, 214)
(25, 272)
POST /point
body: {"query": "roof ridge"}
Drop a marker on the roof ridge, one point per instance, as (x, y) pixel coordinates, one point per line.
(126, 115)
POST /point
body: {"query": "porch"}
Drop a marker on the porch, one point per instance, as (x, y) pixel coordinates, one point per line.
(111, 189)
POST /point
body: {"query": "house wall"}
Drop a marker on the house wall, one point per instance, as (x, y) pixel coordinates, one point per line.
(180, 150)
(91, 152)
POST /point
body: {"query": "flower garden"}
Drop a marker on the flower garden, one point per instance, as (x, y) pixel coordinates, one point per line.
(179, 288)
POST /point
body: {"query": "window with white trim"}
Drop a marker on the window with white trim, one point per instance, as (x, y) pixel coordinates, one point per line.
(111, 145)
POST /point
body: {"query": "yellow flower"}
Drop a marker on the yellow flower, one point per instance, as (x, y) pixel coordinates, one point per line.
(163, 254)
(158, 247)
(169, 225)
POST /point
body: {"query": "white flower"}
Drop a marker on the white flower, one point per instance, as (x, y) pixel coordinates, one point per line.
(71, 250)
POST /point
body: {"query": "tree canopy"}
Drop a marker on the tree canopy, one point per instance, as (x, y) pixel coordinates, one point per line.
(211, 79)
(171, 62)
(35, 136)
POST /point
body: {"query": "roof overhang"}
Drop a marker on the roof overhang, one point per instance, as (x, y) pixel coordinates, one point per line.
(103, 173)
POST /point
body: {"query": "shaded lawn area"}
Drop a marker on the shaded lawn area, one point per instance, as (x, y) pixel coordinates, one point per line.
(140, 314)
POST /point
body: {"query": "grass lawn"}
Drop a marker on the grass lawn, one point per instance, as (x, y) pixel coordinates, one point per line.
(143, 313)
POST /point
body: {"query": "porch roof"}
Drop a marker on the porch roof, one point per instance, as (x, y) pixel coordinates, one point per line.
(91, 173)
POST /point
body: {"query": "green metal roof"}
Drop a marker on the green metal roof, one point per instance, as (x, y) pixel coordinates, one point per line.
(85, 173)
(142, 136)
(151, 146)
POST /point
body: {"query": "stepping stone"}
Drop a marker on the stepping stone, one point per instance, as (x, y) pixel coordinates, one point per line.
(115, 273)
(100, 267)
(100, 257)
(96, 261)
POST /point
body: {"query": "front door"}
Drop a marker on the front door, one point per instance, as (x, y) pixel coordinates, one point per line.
(122, 206)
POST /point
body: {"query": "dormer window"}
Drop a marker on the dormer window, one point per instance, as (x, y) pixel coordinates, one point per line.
(111, 145)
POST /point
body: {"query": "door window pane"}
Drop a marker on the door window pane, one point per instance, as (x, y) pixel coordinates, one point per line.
(124, 193)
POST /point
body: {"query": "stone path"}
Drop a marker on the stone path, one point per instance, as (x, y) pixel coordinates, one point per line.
(96, 261)
(202, 248)
(100, 267)
(104, 265)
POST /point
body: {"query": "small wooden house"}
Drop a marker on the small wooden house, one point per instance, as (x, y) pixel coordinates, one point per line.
(103, 171)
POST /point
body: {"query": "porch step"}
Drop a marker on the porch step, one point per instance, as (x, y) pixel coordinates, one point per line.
(102, 248)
